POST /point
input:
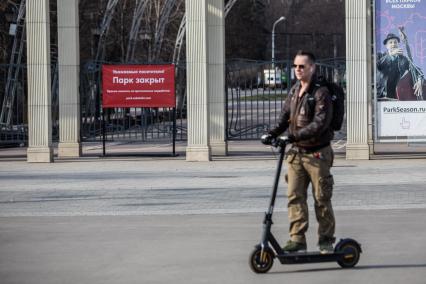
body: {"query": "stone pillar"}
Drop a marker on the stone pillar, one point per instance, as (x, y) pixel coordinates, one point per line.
(39, 82)
(216, 76)
(358, 77)
(69, 68)
(198, 148)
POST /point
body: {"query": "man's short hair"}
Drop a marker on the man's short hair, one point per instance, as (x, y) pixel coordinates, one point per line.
(308, 54)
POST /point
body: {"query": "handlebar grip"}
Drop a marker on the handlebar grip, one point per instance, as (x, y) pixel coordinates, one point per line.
(268, 139)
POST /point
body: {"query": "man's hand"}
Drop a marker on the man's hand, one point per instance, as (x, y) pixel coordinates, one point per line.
(267, 139)
(291, 138)
(396, 51)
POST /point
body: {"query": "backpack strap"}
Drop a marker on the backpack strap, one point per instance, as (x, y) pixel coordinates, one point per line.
(311, 96)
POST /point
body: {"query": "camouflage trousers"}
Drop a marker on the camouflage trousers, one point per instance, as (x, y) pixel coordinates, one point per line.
(314, 168)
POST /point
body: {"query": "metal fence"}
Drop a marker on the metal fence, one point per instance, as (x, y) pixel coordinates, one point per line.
(128, 124)
(255, 92)
(13, 127)
(14, 131)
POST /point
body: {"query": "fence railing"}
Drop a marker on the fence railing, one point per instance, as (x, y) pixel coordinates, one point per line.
(13, 125)
(140, 124)
(255, 93)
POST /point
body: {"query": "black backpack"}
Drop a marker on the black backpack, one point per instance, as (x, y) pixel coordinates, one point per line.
(338, 100)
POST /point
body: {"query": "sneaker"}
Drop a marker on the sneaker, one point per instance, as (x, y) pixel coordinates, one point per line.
(326, 247)
(292, 246)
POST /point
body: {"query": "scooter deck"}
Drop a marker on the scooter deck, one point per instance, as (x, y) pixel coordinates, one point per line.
(308, 257)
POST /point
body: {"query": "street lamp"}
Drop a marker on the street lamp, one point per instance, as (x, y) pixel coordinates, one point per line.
(282, 18)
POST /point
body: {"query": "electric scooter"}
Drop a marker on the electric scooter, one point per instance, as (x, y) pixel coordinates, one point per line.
(346, 252)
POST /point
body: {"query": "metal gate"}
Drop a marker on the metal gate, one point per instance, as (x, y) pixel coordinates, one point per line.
(254, 98)
(128, 124)
(13, 127)
(256, 92)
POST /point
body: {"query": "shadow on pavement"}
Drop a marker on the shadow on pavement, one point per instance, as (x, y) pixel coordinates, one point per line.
(361, 267)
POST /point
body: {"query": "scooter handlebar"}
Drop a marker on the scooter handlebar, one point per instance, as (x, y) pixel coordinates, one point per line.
(280, 141)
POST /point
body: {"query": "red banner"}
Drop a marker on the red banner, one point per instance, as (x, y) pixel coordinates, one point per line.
(138, 86)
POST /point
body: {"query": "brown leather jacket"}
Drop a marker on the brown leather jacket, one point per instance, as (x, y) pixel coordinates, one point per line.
(311, 127)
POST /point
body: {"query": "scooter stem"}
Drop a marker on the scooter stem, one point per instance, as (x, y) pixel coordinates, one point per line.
(277, 179)
(267, 223)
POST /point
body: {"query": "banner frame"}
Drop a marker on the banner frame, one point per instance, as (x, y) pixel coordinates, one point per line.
(375, 127)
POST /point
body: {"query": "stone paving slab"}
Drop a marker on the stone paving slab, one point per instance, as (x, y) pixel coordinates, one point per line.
(235, 184)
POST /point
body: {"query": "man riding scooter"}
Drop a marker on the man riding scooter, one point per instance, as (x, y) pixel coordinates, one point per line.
(307, 119)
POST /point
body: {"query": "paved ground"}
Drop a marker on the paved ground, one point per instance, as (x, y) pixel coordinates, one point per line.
(147, 186)
(164, 220)
(211, 248)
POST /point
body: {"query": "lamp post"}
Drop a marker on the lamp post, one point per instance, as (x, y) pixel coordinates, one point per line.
(282, 18)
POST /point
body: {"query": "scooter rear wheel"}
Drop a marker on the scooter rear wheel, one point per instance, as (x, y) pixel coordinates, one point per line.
(261, 261)
(351, 254)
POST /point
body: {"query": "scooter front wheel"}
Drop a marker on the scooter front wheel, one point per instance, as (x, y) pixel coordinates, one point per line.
(261, 261)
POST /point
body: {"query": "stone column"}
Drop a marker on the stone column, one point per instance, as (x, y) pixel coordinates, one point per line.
(358, 68)
(216, 76)
(198, 148)
(69, 68)
(39, 82)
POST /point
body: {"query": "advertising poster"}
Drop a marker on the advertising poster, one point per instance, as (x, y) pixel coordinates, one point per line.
(138, 86)
(400, 65)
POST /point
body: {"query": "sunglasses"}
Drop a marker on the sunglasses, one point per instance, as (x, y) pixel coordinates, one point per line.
(298, 66)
